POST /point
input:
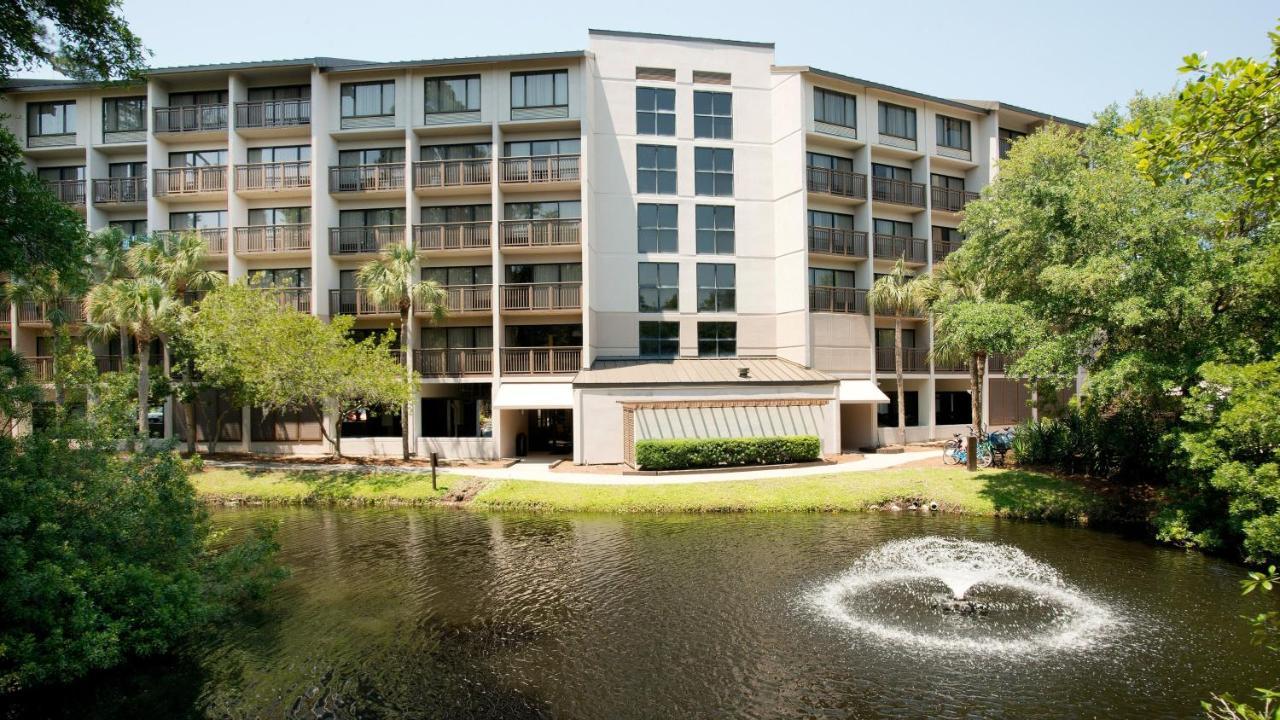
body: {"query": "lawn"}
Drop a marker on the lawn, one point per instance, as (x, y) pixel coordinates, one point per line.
(291, 487)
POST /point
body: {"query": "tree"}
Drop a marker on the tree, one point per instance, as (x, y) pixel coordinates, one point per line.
(39, 234)
(55, 292)
(18, 392)
(902, 295)
(83, 39)
(392, 279)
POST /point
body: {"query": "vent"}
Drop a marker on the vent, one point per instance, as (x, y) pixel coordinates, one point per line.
(711, 78)
(662, 74)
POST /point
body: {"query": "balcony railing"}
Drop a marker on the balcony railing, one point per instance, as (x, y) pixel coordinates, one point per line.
(190, 118)
(297, 298)
(274, 176)
(540, 169)
(108, 363)
(913, 359)
(38, 313)
(273, 113)
(824, 298)
(452, 236)
(191, 180)
(837, 182)
(897, 191)
(70, 192)
(452, 173)
(468, 298)
(999, 363)
(453, 362)
(294, 237)
(950, 199)
(541, 360)
(542, 296)
(51, 140)
(356, 302)
(837, 241)
(215, 239)
(120, 190)
(541, 233)
(892, 247)
(950, 366)
(366, 178)
(5, 315)
(943, 248)
(364, 239)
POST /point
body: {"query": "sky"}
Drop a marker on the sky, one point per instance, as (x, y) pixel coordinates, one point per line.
(1066, 58)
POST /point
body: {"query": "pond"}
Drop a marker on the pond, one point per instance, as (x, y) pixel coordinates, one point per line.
(448, 613)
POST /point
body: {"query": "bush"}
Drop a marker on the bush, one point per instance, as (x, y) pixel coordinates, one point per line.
(726, 452)
(1124, 442)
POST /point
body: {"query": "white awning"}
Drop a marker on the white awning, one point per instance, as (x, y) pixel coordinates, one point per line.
(535, 396)
(861, 391)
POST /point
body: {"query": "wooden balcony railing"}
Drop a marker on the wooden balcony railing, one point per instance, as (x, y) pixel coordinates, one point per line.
(452, 173)
(540, 169)
(5, 315)
(37, 313)
(295, 237)
(943, 248)
(51, 140)
(950, 366)
(215, 239)
(273, 113)
(356, 302)
(897, 191)
(274, 176)
(41, 367)
(190, 180)
(913, 359)
(190, 118)
(453, 362)
(999, 363)
(364, 239)
(120, 190)
(950, 199)
(468, 298)
(108, 363)
(892, 247)
(70, 192)
(298, 298)
(542, 296)
(541, 233)
(541, 360)
(837, 241)
(837, 182)
(366, 178)
(452, 236)
(824, 298)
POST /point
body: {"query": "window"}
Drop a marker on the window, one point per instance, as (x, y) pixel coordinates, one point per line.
(462, 338)
(947, 235)
(659, 286)
(717, 339)
(456, 214)
(828, 278)
(459, 276)
(830, 162)
(946, 181)
(891, 172)
(198, 158)
(953, 132)
(715, 229)
(452, 94)
(887, 413)
(716, 288)
(373, 156)
(127, 170)
(371, 218)
(545, 273)
(132, 229)
(51, 118)
(884, 336)
(659, 338)
(1007, 139)
(540, 89)
(655, 111)
(713, 115)
(838, 221)
(897, 121)
(544, 210)
(656, 228)
(280, 278)
(280, 216)
(61, 174)
(897, 228)
(835, 108)
(198, 220)
(282, 92)
(952, 408)
(124, 114)
(465, 151)
(538, 148)
(204, 97)
(286, 153)
(656, 169)
(713, 171)
(543, 335)
(370, 99)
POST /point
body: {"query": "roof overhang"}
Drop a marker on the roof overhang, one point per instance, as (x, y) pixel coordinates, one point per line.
(861, 392)
(534, 396)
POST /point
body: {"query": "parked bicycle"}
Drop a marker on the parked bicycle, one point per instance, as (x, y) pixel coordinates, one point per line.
(955, 451)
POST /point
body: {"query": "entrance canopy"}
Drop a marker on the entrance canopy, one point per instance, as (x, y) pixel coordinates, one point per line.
(534, 396)
(861, 391)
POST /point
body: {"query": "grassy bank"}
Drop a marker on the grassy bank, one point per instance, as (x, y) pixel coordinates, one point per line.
(296, 487)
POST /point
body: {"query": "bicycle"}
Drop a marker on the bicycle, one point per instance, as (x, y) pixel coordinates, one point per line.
(955, 451)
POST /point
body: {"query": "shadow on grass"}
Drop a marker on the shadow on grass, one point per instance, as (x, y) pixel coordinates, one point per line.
(1022, 494)
(346, 485)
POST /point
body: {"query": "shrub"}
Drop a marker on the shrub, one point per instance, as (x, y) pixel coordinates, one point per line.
(1125, 442)
(726, 452)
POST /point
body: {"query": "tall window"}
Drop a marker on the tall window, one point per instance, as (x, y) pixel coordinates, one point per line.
(897, 228)
(371, 218)
(1007, 139)
(461, 338)
(829, 278)
(946, 181)
(835, 108)
(715, 229)
(891, 172)
(369, 99)
(543, 210)
(460, 276)
(198, 220)
(198, 158)
(132, 229)
(656, 169)
(540, 89)
(284, 153)
(544, 273)
(655, 111)
(716, 288)
(462, 151)
(887, 413)
(659, 286)
(127, 170)
(713, 171)
(713, 115)
(371, 156)
(897, 121)
(659, 338)
(280, 92)
(124, 114)
(830, 162)
(61, 174)
(839, 221)
(280, 216)
(456, 214)
(717, 339)
(537, 148)
(953, 132)
(280, 278)
(452, 94)
(202, 97)
(51, 118)
(656, 228)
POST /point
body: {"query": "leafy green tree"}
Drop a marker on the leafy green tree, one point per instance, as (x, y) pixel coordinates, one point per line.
(38, 233)
(1266, 631)
(902, 295)
(18, 391)
(83, 39)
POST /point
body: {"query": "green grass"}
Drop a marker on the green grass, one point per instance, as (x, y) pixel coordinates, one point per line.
(291, 487)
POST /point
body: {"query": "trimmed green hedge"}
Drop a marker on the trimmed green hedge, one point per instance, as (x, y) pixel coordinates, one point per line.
(726, 452)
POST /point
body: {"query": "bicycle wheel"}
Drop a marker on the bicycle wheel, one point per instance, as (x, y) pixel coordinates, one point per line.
(951, 451)
(985, 456)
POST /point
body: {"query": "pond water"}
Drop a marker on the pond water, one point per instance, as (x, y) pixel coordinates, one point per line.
(452, 614)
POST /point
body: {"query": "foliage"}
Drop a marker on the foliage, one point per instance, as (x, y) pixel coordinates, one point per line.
(899, 294)
(1266, 630)
(39, 235)
(1121, 441)
(18, 390)
(83, 39)
(725, 452)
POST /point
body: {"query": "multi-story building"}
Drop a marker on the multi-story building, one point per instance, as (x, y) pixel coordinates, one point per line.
(656, 237)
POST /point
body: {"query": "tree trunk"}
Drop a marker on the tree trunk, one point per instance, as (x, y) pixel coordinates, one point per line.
(189, 410)
(144, 386)
(897, 366)
(977, 377)
(405, 313)
(212, 442)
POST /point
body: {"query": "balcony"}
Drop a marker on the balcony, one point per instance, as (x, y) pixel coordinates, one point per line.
(943, 248)
(274, 177)
(999, 363)
(446, 174)
(355, 302)
(273, 114)
(298, 298)
(541, 361)
(914, 360)
(452, 236)
(215, 239)
(899, 192)
(120, 191)
(262, 239)
(5, 316)
(542, 297)
(837, 182)
(910, 249)
(37, 314)
(951, 200)
(70, 192)
(541, 233)
(540, 173)
(461, 299)
(203, 180)
(51, 140)
(453, 362)
(839, 242)
(824, 298)
(954, 366)
(190, 119)
(364, 239)
(377, 178)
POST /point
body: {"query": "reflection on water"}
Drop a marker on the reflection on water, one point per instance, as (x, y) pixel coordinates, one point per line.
(452, 614)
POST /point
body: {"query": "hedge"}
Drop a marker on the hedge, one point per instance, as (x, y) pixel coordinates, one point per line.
(726, 452)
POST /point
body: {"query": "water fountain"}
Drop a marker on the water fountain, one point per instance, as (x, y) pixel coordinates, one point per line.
(963, 596)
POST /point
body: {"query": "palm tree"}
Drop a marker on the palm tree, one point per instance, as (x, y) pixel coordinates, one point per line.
(959, 284)
(903, 295)
(392, 279)
(54, 293)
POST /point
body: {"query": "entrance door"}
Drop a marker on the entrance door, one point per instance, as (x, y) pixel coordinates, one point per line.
(551, 431)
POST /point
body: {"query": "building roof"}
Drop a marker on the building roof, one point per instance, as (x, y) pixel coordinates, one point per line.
(471, 60)
(700, 371)
(887, 88)
(679, 38)
(994, 105)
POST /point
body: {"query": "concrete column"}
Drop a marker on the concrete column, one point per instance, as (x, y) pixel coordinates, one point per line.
(237, 154)
(411, 215)
(324, 212)
(491, 100)
(157, 209)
